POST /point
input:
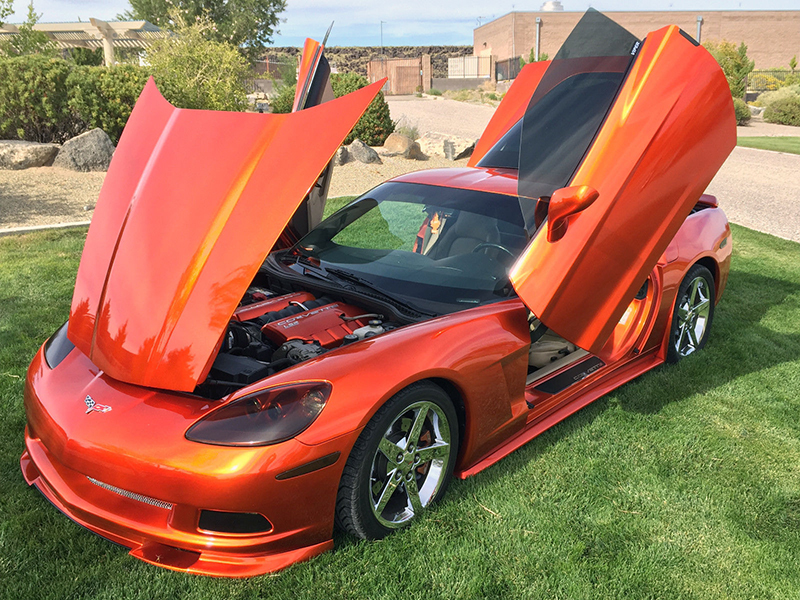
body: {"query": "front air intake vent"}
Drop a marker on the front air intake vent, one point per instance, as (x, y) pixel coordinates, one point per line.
(132, 495)
(233, 522)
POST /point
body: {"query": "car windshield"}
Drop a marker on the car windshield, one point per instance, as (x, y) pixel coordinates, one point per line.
(440, 249)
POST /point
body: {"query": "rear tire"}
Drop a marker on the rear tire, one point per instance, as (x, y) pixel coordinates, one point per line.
(692, 315)
(401, 463)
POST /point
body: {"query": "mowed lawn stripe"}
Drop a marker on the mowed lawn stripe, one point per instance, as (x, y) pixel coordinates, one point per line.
(682, 484)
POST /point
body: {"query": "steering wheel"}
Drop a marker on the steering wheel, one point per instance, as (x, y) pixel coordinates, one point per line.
(484, 245)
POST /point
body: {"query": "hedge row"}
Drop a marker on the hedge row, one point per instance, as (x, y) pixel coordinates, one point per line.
(50, 100)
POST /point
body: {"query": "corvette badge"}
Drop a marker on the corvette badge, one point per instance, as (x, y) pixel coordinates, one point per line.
(92, 406)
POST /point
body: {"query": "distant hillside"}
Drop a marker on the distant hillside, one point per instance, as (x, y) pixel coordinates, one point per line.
(355, 58)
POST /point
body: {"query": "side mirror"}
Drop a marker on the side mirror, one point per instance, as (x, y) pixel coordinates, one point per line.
(565, 203)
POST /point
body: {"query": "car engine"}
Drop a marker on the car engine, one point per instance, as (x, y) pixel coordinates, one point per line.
(270, 332)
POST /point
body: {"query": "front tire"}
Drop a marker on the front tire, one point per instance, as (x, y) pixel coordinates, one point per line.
(401, 463)
(693, 314)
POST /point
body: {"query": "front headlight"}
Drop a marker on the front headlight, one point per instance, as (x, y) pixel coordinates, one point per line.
(57, 347)
(266, 417)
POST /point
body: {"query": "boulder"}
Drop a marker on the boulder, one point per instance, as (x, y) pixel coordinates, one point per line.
(449, 146)
(398, 144)
(90, 151)
(341, 157)
(363, 153)
(17, 154)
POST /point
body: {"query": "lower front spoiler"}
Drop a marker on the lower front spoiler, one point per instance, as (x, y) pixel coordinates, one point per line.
(39, 472)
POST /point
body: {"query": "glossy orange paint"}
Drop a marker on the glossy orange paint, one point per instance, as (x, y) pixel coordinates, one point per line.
(510, 109)
(670, 129)
(190, 194)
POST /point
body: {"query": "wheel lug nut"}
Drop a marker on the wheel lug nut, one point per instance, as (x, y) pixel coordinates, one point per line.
(398, 475)
(410, 448)
(399, 458)
(409, 476)
(416, 458)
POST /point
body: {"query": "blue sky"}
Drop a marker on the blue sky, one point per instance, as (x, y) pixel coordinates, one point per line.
(406, 22)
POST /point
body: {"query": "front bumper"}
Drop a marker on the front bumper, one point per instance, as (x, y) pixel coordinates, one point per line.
(135, 480)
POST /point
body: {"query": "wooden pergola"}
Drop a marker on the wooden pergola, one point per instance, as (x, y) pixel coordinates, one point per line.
(96, 34)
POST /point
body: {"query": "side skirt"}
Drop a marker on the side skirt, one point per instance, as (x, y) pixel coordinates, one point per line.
(587, 395)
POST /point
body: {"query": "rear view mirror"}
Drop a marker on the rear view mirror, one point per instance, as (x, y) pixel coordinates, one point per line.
(565, 203)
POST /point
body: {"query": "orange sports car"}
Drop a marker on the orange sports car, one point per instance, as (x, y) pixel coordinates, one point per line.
(237, 376)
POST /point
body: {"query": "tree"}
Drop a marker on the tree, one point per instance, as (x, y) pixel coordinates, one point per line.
(247, 24)
(28, 40)
(6, 9)
(193, 71)
(734, 63)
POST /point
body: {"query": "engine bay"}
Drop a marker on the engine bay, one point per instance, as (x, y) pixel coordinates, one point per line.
(271, 331)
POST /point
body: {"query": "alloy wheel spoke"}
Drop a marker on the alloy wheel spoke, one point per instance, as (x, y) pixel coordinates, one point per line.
(412, 491)
(692, 338)
(416, 428)
(388, 491)
(428, 453)
(391, 451)
(695, 288)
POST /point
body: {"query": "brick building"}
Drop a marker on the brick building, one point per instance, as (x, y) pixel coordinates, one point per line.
(772, 37)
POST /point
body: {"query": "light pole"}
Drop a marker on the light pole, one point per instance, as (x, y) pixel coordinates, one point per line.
(382, 22)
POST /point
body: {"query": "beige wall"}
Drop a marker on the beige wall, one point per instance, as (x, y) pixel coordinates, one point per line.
(772, 37)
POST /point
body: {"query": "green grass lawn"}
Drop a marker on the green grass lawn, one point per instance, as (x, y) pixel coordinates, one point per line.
(683, 484)
(789, 144)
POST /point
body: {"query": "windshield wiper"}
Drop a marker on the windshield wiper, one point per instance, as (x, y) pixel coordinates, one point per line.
(353, 278)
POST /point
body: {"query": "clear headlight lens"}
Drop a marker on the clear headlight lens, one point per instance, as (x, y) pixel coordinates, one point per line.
(57, 347)
(266, 417)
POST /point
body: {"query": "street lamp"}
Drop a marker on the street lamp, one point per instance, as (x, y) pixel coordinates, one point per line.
(382, 22)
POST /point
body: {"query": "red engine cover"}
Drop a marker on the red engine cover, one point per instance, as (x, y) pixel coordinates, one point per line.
(323, 324)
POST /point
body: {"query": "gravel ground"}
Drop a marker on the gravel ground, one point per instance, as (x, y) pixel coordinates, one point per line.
(439, 114)
(758, 189)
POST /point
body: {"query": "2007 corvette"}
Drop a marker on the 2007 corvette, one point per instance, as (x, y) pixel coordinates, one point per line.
(238, 375)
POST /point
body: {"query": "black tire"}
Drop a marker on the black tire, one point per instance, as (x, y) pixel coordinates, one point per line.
(692, 315)
(371, 475)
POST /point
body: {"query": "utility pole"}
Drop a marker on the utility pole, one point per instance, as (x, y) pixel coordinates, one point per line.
(382, 22)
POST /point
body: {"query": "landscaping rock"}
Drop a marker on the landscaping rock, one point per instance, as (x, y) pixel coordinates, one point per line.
(756, 110)
(363, 153)
(341, 157)
(448, 146)
(90, 151)
(18, 154)
(398, 144)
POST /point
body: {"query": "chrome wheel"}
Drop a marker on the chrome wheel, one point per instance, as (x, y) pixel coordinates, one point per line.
(401, 462)
(693, 317)
(409, 466)
(694, 311)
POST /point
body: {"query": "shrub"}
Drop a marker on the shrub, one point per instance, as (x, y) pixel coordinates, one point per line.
(742, 111)
(104, 97)
(375, 124)
(767, 98)
(734, 63)
(195, 72)
(434, 92)
(785, 112)
(34, 99)
(283, 101)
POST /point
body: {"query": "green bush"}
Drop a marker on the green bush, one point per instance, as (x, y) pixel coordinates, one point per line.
(734, 63)
(434, 92)
(767, 98)
(742, 111)
(104, 97)
(283, 101)
(375, 124)
(785, 112)
(194, 71)
(34, 99)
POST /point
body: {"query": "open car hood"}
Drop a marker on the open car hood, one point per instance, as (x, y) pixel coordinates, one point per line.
(192, 203)
(644, 124)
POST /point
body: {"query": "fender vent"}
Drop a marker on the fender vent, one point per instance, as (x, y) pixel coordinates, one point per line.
(132, 495)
